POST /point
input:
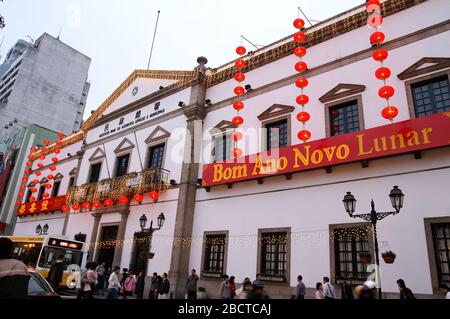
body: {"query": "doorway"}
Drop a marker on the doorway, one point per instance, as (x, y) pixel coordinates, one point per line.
(139, 256)
(108, 247)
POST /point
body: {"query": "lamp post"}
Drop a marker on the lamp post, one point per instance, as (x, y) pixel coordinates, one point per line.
(147, 233)
(42, 230)
(396, 196)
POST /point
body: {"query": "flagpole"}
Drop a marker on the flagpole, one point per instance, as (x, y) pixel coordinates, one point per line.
(153, 41)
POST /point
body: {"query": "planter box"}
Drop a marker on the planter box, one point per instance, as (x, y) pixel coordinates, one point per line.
(389, 259)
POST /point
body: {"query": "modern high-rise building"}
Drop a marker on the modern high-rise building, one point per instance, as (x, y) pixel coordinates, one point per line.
(43, 82)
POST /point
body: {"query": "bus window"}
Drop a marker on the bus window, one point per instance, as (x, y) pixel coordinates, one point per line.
(49, 255)
(28, 253)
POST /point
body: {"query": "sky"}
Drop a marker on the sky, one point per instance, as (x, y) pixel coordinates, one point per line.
(117, 34)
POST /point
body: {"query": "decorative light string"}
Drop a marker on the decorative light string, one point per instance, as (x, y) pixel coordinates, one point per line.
(375, 20)
(301, 67)
(238, 105)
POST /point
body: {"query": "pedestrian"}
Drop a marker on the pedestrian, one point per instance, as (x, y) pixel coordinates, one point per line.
(246, 292)
(56, 272)
(164, 288)
(258, 292)
(129, 285)
(319, 291)
(224, 289)
(153, 293)
(140, 284)
(258, 280)
(241, 289)
(445, 292)
(14, 275)
(328, 289)
(232, 287)
(89, 282)
(83, 279)
(101, 272)
(114, 284)
(405, 293)
(191, 285)
(347, 292)
(301, 289)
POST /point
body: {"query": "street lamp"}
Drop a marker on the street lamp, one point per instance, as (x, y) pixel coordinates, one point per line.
(42, 230)
(143, 221)
(396, 196)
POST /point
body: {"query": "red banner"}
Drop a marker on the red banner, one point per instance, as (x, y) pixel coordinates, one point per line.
(42, 206)
(404, 137)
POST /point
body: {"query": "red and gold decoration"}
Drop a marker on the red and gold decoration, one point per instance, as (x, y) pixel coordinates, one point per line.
(383, 73)
(302, 82)
(238, 105)
(43, 206)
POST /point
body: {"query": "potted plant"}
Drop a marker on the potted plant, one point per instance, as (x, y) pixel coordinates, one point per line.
(389, 257)
(365, 258)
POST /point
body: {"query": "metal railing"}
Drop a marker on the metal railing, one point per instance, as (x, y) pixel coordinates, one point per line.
(149, 180)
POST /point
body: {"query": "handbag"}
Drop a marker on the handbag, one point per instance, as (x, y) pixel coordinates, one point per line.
(122, 291)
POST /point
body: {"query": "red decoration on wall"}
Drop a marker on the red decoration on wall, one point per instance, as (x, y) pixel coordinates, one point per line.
(238, 105)
(38, 173)
(50, 177)
(40, 165)
(86, 206)
(47, 142)
(138, 198)
(61, 135)
(48, 186)
(123, 199)
(241, 50)
(65, 209)
(76, 207)
(108, 203)
(377, 38)
(97, 204)
(154, 196)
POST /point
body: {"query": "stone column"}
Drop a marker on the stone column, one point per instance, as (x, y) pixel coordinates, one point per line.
(94, 236)
(120, 236)
(195, 113)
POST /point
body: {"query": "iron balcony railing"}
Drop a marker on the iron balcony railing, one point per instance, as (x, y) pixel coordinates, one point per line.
(149, 180)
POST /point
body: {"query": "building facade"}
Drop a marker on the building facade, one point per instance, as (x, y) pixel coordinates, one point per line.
(169, 132)
(43, 83)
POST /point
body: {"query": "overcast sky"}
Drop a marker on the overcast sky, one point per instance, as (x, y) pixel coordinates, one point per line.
(117, 34)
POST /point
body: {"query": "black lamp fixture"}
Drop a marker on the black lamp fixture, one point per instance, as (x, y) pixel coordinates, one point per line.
(161, 87)
(208, 102)
(181, 104)
(248, 87)
(143, 222)
(397, 197)
(42, 230)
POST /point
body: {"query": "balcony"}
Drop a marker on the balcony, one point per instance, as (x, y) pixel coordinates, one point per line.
(149, 180)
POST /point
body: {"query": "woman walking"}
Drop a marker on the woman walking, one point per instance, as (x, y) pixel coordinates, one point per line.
(91, 279)
(232, 287)
(319, 291)
(129, 285)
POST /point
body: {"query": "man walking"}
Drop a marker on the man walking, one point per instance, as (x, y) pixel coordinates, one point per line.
(56, 272)
(328, 289)
(114, 284)
(224, 290)
(301, 289)
(191, 285)
(101, 271)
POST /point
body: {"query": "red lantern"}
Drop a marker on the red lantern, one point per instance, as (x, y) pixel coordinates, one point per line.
(301, 66)
(86, 206)
(48, 186)
(33, 190)
(46, 195)
(31, 157)
(58, 142)
(65, 209)
(237, 152)
(238, 120)
(24, 179)
(33, 149)
(57, 151)
(97, 204)
(18, 202)
(38, 173)
(153, 196)
(23, 186)
(46, 142)
(300, 51)
(300, 37)
(236, 136)
(380, 55)
(29, 163)
(301, 83)
(238, 105)
(386, 92)
(240, 64)
(32, 199)
(54, 159)
(123, 199)
(304, 135)
(299, 23)
(76, 207)
(303, 117)
(42, 157)
(373, 5)
(53, 168)
(241, 50)
(27, 171)
(302, 99)
(20, 194)
(40, 165)
(239, 90)
(60, 134)
(389, 112)
(377, 38)
(138, 198)
(50, 177)
(44, 149)
(36, 181)
(383, 73)
(108, 203)
(240, 77)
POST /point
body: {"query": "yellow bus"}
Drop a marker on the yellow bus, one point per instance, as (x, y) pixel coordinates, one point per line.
(39, 252)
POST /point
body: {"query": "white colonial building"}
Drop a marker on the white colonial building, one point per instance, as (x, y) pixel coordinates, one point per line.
(160, 129)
